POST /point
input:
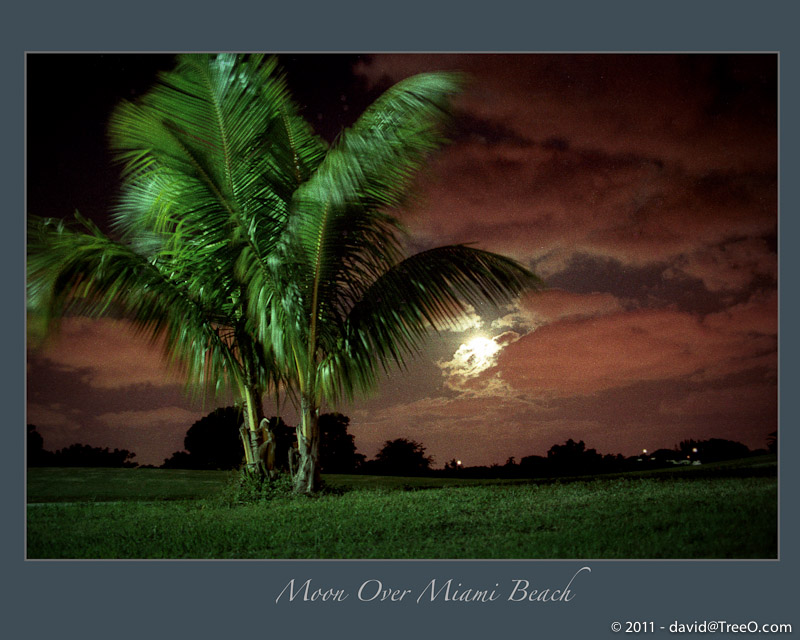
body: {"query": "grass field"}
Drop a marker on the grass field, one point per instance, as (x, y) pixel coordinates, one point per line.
(727, 510)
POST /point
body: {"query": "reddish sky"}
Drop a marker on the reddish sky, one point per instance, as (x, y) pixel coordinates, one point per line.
(641, 188)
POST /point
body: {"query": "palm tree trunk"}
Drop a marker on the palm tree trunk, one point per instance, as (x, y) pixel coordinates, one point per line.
(307, 479)
(253, 413)
(254, 410)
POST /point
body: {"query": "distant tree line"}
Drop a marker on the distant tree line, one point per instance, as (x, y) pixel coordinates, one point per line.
(75, 455)
(573, 458)
(213, 442)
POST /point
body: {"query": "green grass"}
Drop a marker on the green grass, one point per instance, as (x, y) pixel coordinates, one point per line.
(727, 513)
(58, 484)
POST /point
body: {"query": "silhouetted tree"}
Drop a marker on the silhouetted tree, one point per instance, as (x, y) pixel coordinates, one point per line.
(713, 450)
(179, 460)
(573, 457)
(337, 447)
(772, 442)
(75, 455)
(213, 442)
(37, 456)
(83, 455)
(510, 469)
(402, 457)
(664, 455)
(613, 462)
(534, 466)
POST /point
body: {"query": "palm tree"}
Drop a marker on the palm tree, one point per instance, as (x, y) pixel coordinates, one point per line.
(211, 158)
(342, 301)
(264, 259)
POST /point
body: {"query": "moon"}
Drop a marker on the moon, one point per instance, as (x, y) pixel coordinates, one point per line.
(471, 358)
(482, 349)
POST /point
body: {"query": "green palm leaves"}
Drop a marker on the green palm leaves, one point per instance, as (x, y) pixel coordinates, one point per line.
(261, 256)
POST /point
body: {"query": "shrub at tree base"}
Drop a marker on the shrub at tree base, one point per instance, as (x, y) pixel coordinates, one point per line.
(248, 488)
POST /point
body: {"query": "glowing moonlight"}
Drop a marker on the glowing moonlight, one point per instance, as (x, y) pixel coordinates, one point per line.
(474, 356)
(482, 349)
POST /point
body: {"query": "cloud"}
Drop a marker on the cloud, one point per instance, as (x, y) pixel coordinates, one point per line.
(554, 305)
(153, 434)
(673, 107)
(641, 159)
(557, 204)
(730, 266)
(588, 355)
(150, 418)
(732, 402)
(61, 421)
(107, 354)
(472, 357)
(463, 372)
(756, 316)
(537, 309)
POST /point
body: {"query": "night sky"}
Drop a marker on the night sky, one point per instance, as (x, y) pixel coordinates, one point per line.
(641, 188)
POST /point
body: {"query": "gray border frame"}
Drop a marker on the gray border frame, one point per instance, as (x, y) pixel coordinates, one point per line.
(216, 599)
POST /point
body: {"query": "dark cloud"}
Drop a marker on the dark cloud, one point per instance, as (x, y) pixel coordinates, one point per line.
(469, 128)
(654, 285)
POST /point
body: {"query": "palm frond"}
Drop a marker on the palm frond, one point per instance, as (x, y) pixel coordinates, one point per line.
(82, 271)
(213, 153)
(376, 160)
(340, 236)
